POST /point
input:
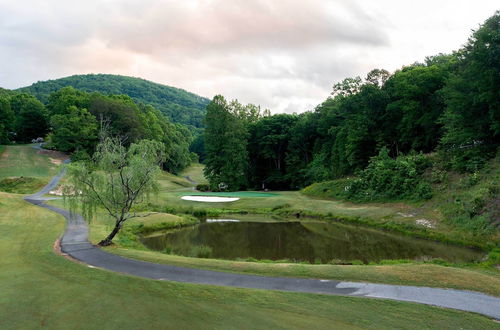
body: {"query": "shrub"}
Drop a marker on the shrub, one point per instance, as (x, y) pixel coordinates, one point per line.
(203, 187)
(389, 178)
(438, 176)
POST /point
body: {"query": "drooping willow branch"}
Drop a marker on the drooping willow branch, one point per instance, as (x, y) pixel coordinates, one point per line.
(116, 179)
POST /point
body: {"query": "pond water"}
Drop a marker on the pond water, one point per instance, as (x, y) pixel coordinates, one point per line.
(311, 241)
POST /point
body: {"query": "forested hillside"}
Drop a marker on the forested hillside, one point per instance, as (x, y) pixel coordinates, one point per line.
(387, 137)
(449, 104)
(72, 119)
(178, 105)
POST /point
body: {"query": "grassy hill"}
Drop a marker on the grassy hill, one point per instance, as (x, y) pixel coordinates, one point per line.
(39, 288)
(466, 204)
(177, 104)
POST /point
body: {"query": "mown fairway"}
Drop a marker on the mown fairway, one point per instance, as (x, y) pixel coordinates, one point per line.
(24, 160)
(41, 289)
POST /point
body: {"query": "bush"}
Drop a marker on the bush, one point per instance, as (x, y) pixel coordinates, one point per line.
(438, 176)
(203, 187)
(329, 189)
(389, 178)
(80, 155)
(468, 159)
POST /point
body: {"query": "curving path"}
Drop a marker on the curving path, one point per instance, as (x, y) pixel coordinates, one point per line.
(75, 243)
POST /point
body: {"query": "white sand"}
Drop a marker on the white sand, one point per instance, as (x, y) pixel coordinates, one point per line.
(222, 220)
(211, 199)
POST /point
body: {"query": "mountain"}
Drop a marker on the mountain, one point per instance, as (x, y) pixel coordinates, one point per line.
(177, 104)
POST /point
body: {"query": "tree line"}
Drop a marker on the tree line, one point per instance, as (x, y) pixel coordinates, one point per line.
(71, 120)
(449, 104)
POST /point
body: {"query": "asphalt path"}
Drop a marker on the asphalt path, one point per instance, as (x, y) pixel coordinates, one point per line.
(75, 243)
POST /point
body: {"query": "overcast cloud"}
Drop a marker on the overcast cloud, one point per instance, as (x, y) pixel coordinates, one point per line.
(284, 55)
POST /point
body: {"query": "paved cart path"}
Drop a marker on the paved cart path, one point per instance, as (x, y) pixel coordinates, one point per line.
(76, 244)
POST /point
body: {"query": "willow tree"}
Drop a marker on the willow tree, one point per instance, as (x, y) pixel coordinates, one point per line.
(116, 179)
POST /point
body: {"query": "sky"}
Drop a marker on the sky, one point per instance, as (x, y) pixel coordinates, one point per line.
(284, 55)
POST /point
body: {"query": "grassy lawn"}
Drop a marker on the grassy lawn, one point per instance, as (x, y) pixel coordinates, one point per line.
(232, 194)
(40, 289)
(419, 274)
(24, 160)
(280, 199)
(391, 215)
(195, 173)
(471, 278)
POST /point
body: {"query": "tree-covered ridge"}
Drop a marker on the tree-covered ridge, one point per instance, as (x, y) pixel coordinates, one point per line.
(71, 121)
(449, 104)
(177, 104)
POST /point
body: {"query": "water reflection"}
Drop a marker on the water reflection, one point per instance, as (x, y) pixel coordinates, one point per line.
(311, 241)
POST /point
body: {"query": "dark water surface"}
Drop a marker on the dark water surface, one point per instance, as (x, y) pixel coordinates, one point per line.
(312, 241)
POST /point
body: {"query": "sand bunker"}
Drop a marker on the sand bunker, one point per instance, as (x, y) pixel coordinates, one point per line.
(222, 220)
(210, 199)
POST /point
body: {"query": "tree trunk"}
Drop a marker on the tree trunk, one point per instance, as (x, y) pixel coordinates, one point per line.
(108, 240)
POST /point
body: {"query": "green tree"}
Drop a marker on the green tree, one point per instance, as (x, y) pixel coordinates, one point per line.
(7, 120)
(377, 77)
(59, 102)
(411, 118)
(226, 137)
(269, 138)
(198, 147)
(300, 149)
(31, 117)
(74, 130)
(120, 113)
(178, 105)
(122, 116)
(472, 117)
(116, 179)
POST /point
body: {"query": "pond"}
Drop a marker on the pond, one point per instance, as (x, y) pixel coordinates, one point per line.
(309, 241)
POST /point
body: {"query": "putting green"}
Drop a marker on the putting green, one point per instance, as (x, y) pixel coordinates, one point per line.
(231, 194)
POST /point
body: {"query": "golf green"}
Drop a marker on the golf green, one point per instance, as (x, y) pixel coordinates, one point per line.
(231, 194)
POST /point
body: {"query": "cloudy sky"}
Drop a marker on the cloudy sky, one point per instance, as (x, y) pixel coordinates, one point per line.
(284, 54)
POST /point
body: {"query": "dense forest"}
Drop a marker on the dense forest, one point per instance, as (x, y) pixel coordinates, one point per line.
(178, 105)
(72, 119)
(377, 128)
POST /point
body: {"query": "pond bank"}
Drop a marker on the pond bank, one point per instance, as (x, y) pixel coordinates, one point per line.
(312, 241)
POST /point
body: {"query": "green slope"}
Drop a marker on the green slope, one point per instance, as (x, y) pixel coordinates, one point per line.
(40, 289)
(177, 104)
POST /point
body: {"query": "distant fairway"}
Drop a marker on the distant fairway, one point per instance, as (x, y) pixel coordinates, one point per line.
(24, 160)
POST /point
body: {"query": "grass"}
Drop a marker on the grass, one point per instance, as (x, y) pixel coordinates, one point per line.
(280, 200)
(21, 185)
(231, 194)
(24, 160)
(464, 207)
(195, 173)
(41, 289)
(173, 187)
(397, 217)
(419, 274)
(445, 211)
